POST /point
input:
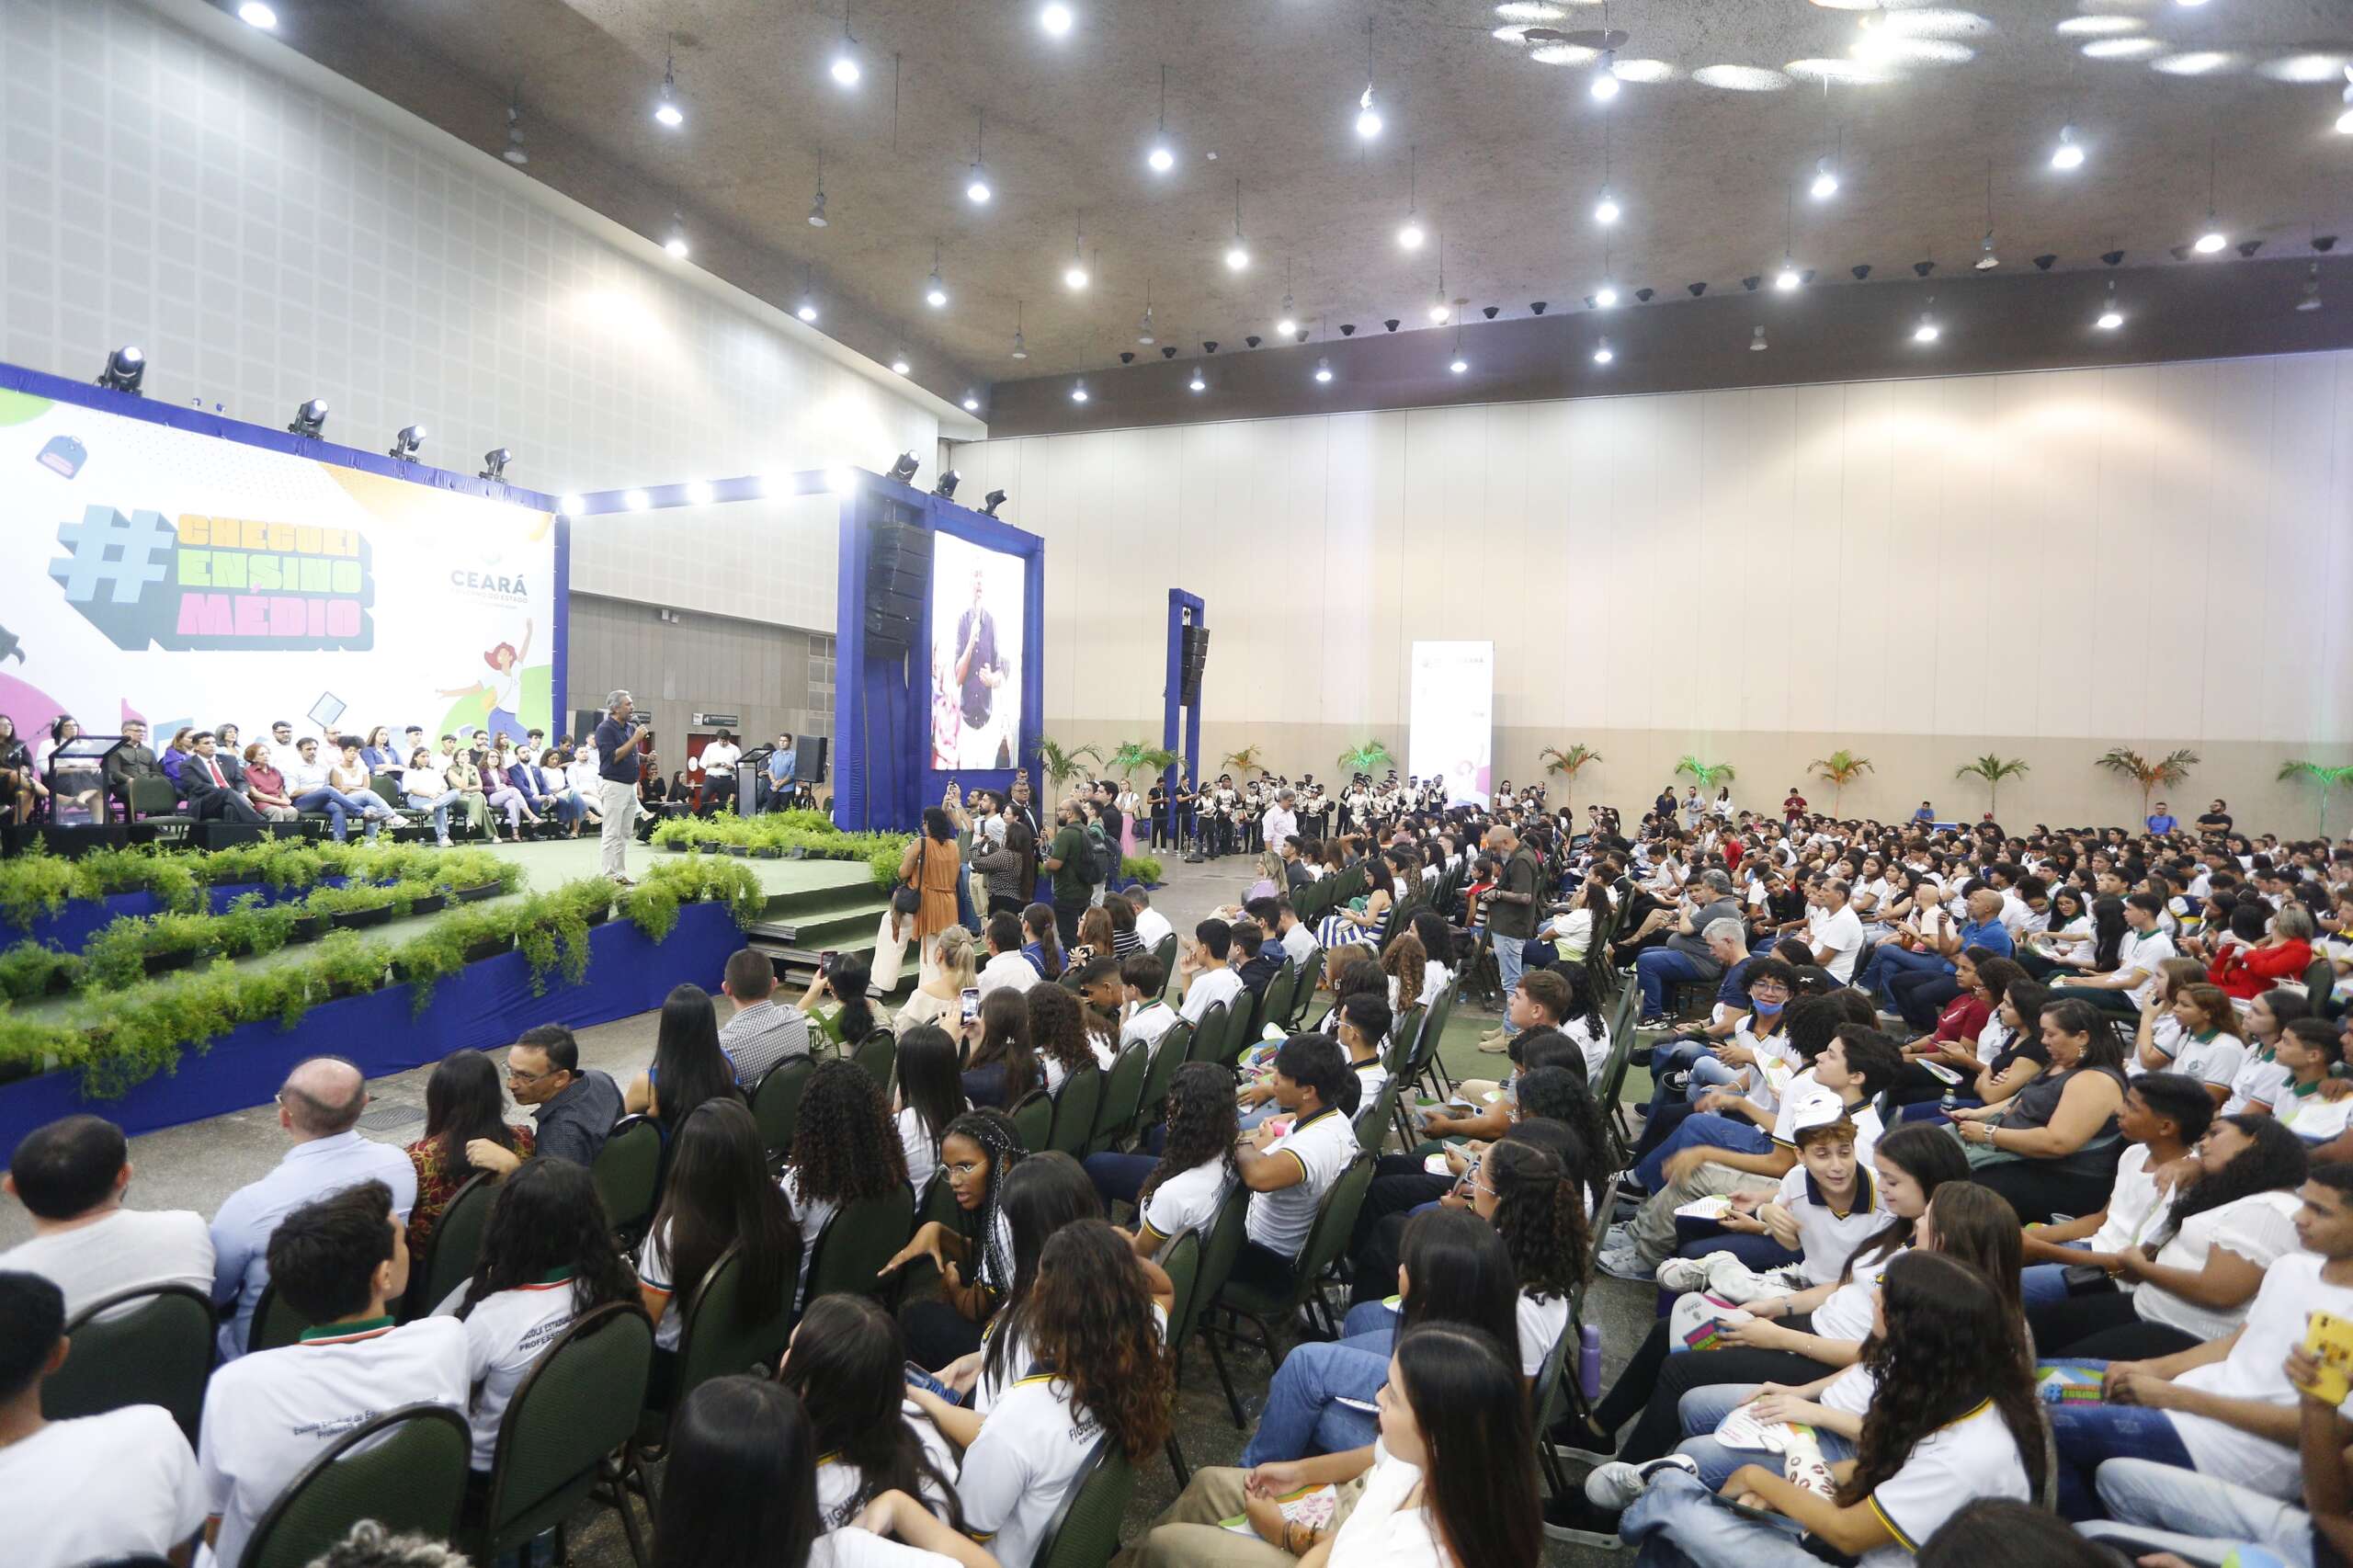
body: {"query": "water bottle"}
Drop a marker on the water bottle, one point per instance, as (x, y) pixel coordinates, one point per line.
(1589, 1360)
(1948, 1104)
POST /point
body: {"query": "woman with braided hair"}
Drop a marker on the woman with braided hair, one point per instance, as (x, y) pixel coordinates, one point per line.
(979, 1150)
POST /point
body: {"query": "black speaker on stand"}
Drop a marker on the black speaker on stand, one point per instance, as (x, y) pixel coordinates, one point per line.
(1192, 654)
(898, 576)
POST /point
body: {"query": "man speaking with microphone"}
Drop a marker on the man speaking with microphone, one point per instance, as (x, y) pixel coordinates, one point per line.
(979, 672)
(619, 741)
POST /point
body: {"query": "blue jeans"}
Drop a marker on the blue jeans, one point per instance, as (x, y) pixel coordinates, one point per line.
(1511, 957)
(2042, 1283)
(440, 810)
(340, 807)
(1303, 1414)
(1369, 1318)
(1119, 1177)
(1888, 962)
(1707, 1130)
(1655, 969)
(1703, 1410)
(2159, 1508)
(1678, 1523)
(2089, 1435)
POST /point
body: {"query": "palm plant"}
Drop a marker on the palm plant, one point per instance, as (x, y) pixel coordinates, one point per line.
(1366, 758)
(1131, 758)
(1062, 764)
(1244, 762)
(2327, 778)
(1568, 761)
(1840, 769)
(1710, 776)
(2164, 773)
(1993, 769)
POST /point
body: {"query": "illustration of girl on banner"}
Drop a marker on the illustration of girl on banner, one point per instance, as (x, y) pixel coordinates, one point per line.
(504, 687)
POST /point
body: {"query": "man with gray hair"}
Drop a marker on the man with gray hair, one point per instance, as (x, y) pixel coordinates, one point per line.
(1686, 954)
(619, 741)
(319, 1107)
(1282, 821)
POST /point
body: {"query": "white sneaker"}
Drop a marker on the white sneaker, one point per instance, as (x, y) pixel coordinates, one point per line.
(1618, 1483)
(1734, 1281)
(1685, 1273)
(1626, 1264)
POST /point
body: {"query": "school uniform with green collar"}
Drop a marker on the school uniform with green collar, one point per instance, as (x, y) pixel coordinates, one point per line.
(2304, 1110)
(505, 1334)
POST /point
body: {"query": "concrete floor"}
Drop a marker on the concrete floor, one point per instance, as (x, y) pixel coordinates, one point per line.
(196, 1165)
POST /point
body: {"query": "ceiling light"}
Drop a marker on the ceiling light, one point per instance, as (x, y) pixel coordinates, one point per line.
(253, 14)
(817, 210)
(1199, 383)
(666, 110)
(2069, 154)
(2210, 241)
(1056, 19)
(1324, 369)
(935, 291)
(1078, 393)
(570, 503)
(1161, 159)
(1606, 297)
(514, 153)
(1605, 77)
(1603, 353)
(311, 418)
(1287, 323)
(844, 68)
(1756, 341)
(1368, 118)
(1826, 183)
(2188, 3)
(2110, 318)
(697, 492)
(1410, 236)
(898, 363)
(1986, 260)
(2310, 301)
(124, 369)
(2345, 123)
(677, 243)
(1020, 345)
(636, 500)
(1237, 255)
(1788, 278)
(972, 404)
(1926, 331)
(1459, 365)
(1144, 332)
(1438, 311)
(808, 309)
(1607, 209)
(405, 444)
(1074, 275)
(976, 189)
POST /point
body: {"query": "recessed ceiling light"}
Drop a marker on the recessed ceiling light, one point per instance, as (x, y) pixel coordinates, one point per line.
(898, 363)
(253, 14)
(1056, 19)
(1603, 354)
(1324, 370)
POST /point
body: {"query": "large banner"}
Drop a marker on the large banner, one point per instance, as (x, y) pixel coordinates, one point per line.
(979, 603)
(1451, 723)
(177, 577)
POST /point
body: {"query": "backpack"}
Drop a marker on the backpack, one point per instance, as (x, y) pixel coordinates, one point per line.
(1107, 855)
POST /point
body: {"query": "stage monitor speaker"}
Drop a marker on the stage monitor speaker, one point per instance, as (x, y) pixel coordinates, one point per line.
(78, 839)
(809, 759)
(584, 724)
(898, 576)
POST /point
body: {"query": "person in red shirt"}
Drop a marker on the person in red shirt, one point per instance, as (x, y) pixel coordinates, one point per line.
(1953, 1042)
(1794, 807)
(2286, 951)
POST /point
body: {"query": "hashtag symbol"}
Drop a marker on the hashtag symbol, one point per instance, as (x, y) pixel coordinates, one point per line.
(110, 549)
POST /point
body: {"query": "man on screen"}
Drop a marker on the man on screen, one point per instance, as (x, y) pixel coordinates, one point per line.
(980, 670)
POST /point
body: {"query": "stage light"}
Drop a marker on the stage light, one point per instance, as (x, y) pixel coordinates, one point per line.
(1324, 370)
(903, 466)
(1606, 297)
(842, 481)
(1056, 19)
(1603, 354)
(253, 14)
(667, 111)
(1825, 182)
(1607, 209)
(124, 369)
(570, 503)
(972, 404)
(898, 363)
(494, 464)
(2210, 241)
(1788, 278)
(2069, 153)
(697, 492)
(404, 444)
(1756, 341)
(2110, 318)
(1200, 383)
(991, 502)
(946, 488)
(309, 419)
(636, 500)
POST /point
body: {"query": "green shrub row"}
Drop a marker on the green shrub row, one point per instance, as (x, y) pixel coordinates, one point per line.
(1141, 868)
(128, 1035)
(37, 883)
(809, 833)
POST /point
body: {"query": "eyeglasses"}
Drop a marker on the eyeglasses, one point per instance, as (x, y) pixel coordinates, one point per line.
(517, 1076)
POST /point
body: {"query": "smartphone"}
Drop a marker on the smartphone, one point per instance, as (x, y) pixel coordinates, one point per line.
(825, 961)
(970, 1003)
(923, 1379)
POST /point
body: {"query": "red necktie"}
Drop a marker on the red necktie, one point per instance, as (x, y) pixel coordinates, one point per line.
(218, 782)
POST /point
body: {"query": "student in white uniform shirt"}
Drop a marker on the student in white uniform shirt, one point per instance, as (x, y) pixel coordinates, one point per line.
(847, 1362)
(1449, 1483)
(1833, 929)
(338, 1262)
(1289, 1173)
(718, 1192)
(845, 1149)
(927, 1093)
(2126, 988)
(71, 1177)
(742, 1490)
(2210, 1051)
(547, 1260)
(1149, 1017)
(1185, 1188)
(1203, 964)
(1152, 926)
(103, 1486)
(1955, 1419)
(2310, 1050)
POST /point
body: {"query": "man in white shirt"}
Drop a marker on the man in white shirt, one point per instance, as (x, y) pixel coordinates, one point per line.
(337, 1261)
(107, 1486)
(1836, 930)
(308, 786)
(1281, 820)
(1149, 1017)
(319, 1108)
(1298, 940)
(714, 769)
(1007, 965)
(71, 1177)
(1152, 926)
(1289, 1172)
(283, 753)
(1208, 981)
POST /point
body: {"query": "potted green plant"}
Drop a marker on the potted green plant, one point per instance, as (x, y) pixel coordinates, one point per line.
(349, 965)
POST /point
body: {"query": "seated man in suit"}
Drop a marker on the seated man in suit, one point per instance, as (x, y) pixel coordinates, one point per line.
(215, 784)
(130, 761)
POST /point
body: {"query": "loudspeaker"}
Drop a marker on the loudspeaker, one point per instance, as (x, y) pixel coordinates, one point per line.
(584, 725)
(222, 835)
(898, 576)
(1192, 653)
(80, 838)
(809, 759)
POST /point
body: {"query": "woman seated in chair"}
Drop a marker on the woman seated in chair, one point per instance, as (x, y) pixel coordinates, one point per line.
(1003, 1068)
(1058, 1034)
(847, 1362)
(717, 1193)
(689, 1064)
(928, 1095)
(547, 1259)
(1186, 1186)
(845, 1150)
(464, 1105)
(974, 1258)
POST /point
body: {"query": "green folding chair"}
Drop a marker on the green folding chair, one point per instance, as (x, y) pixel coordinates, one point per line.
(1074, 1109)
(1265, 1309)
(776, 1104)
(1241, 1029)
(452, 1248)
(1085, 1530)
(1033, 1122)
(1276, 1007)
(628, 1173)
(405, 1469)
(275, 1325)
(715, 1339)
(1168, 1054)
(1122, 1096)
(159, 1351)
(877, 1053)
(858, 1241)
(1208, 1043)
(573, 1412)
(1302, 995)
(1166, 951)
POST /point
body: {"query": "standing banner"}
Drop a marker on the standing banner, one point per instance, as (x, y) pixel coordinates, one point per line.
(181, 577)
(1450, 728)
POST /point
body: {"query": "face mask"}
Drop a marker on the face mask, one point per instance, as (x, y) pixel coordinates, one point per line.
(1769, 1009)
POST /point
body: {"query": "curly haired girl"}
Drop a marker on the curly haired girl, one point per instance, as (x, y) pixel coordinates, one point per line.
(846, 1148)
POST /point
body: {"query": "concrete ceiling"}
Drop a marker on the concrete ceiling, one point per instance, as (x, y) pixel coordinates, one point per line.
(1507, 148)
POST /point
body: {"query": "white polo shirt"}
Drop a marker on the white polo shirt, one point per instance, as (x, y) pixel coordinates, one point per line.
(1211, 986)
(505, 1335)
(1187, 1199)
(244, 1223)
(1149, 1024)
(2144, 950)
(2292, 1290)
(1323, 1145)
(1010, 970)
(1152, 928)
(2303, 1112)
(268, 1414)
(1975, 1457)
(1541, 1325)
(1017, 1470)
(130, 1247)
(1299, 943)
(838, 1480)
(1828, 1236)
(653, 1261)
(101, 1487)
(2260, 1080)
(2215, 1060)
(1842, 933)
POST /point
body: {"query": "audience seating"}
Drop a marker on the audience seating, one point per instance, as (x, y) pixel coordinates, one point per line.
(158, 1353)
(850, 1251)
(1336, 1218)
(1166, 951)
(1084, 1530)
(1241, 1030)
(878, 1052)
(1302, 996)
(1075, 1107)
(448, 1257)
(1033, 1120)
(1275, 1007)
(1180, 1259)
(573, 1411)
(275, 1325)
(405, 1469)
(776, 1104)
(1121, 1100)
(1208, 1035)
(628, 1173)
(1171, 1054)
